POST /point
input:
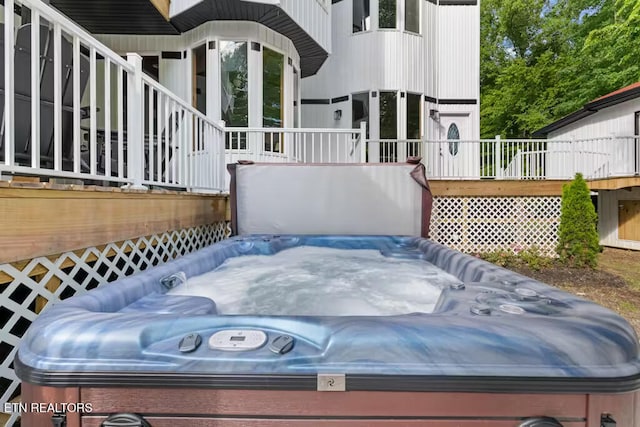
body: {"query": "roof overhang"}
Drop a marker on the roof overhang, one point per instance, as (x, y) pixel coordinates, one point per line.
(573, 117)
(589, 109)
(116, 16)
(142, 17)
(312, 55)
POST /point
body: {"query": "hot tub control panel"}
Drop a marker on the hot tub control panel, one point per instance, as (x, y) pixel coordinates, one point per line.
(237, 340)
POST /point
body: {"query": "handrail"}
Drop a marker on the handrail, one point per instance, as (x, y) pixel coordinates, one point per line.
(157, 86)
(290, 130)
(73, 29)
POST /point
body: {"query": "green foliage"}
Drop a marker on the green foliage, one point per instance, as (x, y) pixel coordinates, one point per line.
(534, 259)
(272, 75)
(500, 257)
(578, 244)
(235, 105)
(530, 257)
(387, 14)
(543, 59)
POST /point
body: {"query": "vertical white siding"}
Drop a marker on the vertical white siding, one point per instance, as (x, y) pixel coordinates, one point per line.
(175, 75)
(313, 16)
(441, 62)
(178, 6)
(254, 59)
(213, 84)
(617, 120)
(373, 60)
(459, 55)
(430, 33)
(608, 202)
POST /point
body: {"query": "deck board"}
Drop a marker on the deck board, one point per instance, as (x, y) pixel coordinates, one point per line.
(40, 221)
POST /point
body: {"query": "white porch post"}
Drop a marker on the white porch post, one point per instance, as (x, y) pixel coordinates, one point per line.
(9, 133)
(363, 142)
(498, 158)
(135, 123)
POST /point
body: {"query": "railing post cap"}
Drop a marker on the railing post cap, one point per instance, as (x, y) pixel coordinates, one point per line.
(134, 57)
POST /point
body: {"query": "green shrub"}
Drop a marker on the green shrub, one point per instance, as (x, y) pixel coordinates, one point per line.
(500, 257)
(578, 244)
(534, 259)
(531, 257)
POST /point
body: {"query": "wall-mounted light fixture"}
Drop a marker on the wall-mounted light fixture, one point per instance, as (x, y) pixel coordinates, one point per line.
(337, 115)
(434, 114)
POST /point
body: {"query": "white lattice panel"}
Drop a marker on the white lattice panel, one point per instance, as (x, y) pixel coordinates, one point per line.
(486, 224)
(41, 281)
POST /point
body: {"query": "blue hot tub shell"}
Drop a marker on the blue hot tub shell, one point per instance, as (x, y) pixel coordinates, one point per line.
(128, 333)
(499, 349)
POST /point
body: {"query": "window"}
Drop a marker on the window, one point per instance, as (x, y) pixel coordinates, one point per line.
(199, 78)
(387, 14)
(234, 91)
(388, 126)
(272, 91)
(361, 16)
(453, 135)
(414, 104)
(360, 110)
(150, 66)
(412, 16)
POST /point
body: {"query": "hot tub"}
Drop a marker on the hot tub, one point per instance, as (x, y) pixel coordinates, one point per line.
(399, 332)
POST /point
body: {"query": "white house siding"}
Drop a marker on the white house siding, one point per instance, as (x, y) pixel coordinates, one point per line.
(395, 60)
(459, 52)
(608, 205)
(430, 33)
(176, 7)
(175, 73)
(617, 120)
(313, 16)
(613, 157)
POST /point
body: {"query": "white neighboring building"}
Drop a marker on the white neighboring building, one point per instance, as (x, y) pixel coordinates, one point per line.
(611, 126)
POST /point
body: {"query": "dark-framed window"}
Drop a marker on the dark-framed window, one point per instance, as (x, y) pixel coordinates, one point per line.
(412, 15)
(361, 15)
(388, 126)
(387, 14)
(234, 90)
(272, 93)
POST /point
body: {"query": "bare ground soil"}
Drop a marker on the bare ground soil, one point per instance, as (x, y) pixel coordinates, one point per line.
(615, 283)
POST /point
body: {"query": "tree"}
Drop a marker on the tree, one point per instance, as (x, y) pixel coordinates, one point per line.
(610, 52)
(543, 59)
(578, 244)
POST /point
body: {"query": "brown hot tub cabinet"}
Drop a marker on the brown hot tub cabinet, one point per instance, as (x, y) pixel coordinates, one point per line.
(190, 407)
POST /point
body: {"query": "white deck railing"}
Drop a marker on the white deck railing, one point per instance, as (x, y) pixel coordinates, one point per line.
(73, 108)
(515, 159)
(297, 145)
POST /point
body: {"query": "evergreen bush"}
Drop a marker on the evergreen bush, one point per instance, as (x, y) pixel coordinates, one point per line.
(578, 244)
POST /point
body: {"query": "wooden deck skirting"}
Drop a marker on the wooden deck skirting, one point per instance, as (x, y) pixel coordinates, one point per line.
(496, 187)
(41, 219)
(614, 183)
